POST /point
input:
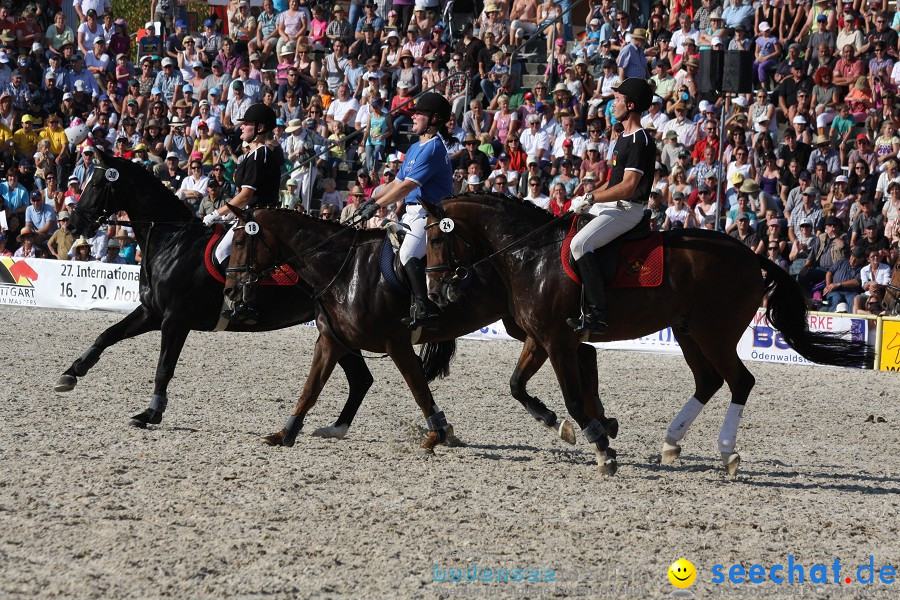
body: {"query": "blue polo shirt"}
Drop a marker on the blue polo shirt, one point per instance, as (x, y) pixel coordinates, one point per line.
(428, 165)
(14, 198)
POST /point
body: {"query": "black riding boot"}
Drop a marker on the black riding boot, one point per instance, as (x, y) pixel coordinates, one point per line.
(593, 318)
(423, 312)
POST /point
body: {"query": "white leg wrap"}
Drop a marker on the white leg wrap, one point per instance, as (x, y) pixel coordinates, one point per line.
(728, 435)
(683, 421)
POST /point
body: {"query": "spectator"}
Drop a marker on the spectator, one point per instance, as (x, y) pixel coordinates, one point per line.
(842, 281)
(62, 239)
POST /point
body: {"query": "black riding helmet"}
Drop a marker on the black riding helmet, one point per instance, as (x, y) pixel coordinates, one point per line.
(435, 104)
(638, 92)
(260, 114)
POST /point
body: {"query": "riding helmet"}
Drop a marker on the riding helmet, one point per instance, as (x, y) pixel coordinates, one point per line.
(638, 91)
(436, 104)
(260, 114)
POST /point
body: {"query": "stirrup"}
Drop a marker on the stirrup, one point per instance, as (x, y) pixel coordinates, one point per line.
(594, 324)
(242, 314)
(421, 315)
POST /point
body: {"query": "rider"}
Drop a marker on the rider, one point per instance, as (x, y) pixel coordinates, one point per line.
(424, 176)
(256, 177)
(618, 206)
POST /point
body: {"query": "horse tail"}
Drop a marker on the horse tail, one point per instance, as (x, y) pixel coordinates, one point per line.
(786, 311)
(436, 359)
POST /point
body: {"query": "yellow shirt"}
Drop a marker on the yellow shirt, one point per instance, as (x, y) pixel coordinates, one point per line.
(26, 142)
(5, 136)
(57, 139)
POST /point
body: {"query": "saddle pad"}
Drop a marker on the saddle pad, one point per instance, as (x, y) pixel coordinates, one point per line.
(387, 261)
(640, 262)
(283, 276)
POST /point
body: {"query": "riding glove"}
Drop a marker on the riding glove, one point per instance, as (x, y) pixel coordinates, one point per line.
(367, 209)
(579, 205)
(211, 218)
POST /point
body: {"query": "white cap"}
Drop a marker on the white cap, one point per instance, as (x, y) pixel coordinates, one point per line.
(79, 85)
(656, 100)
(715, 41)
(764, 26)
(740, 101)
(171, 155)
(799, 120)
(36, 47)
(167, 62)
(703, 106)
(473, 180)
(595, 21)
(841, 179)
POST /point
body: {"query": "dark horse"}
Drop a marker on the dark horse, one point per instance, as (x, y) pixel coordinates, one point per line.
(177, 293)
(711, 290)
(359, 309)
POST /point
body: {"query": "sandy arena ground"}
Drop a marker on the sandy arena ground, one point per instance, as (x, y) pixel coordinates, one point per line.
(199, 508)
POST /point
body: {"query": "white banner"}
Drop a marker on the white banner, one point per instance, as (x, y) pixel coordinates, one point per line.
(68, 284)
(94, 285)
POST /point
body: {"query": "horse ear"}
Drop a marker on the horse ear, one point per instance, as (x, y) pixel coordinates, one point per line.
(433, 210)
(103, 156)
(240, 213)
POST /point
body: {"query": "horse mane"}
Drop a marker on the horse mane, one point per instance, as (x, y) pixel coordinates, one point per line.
(335, 225)
(495, 198)
(148, 192)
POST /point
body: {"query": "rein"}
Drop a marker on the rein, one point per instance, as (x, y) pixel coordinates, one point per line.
(461, 273)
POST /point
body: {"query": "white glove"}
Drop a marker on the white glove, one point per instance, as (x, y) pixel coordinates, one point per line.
(211, 218)
(579, 205)
(229, 216)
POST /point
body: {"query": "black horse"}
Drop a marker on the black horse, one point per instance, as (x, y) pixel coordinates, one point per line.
(177, 293)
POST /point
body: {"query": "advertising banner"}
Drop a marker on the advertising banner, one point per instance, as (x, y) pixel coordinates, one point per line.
(66, 284)
(890, 346)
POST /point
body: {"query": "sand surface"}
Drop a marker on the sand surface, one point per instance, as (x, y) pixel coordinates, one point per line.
(199, 508)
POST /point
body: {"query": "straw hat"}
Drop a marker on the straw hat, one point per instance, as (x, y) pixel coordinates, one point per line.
(357, 191)
(26, 232)
(293, 125)
(80, 242)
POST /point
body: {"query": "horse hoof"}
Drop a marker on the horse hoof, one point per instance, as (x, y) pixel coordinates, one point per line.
(148, 417)
(431, 441)
(612, 428)
(274, 439)
(731, 461)
(566, 432)
(670, 453)
(336, 432)
(608, 467)
(66, 383)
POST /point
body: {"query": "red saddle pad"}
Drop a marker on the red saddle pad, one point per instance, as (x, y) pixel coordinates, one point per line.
(640, 261)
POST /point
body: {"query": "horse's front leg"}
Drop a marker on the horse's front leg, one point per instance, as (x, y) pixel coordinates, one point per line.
(326, 354)
(174, 333)
(531, 359)
(138, 321)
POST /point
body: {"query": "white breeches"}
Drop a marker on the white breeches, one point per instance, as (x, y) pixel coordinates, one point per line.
(413, 245)
(223, 250)
(611, 219)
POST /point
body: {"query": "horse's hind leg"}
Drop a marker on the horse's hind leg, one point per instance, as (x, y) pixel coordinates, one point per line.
(138, 321)
(587, 357)
(707, 382)
(409, 365)
(174, 333)
(721, 350)
(325, 356)
(360, 379)
(530, 361)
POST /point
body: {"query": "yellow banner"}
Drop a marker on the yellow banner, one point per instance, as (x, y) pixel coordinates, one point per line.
(890, 346)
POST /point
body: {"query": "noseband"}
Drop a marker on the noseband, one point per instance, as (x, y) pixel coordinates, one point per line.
(458, 272)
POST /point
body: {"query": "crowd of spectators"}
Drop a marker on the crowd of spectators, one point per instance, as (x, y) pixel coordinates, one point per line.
(806, 172)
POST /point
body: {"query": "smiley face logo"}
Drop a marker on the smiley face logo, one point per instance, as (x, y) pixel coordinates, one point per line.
(682, 573)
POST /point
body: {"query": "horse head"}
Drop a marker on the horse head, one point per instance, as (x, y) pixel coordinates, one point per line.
(252, 254)
(98, 199)
(449, 255)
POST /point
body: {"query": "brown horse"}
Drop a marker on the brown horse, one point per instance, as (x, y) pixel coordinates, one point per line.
(711, 290)
(359, 309)
(891, 301)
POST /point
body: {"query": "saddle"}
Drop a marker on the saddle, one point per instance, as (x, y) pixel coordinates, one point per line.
(285, 275)
(638, 251)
